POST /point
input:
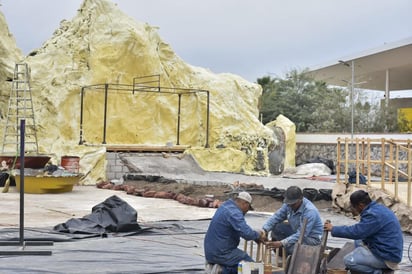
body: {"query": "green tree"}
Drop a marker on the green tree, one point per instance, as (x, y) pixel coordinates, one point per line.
(310, 104)
(315, 107)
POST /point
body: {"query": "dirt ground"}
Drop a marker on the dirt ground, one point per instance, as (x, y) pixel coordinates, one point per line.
(261, 203)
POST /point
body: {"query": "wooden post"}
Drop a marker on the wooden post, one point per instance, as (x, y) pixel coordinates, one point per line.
(396, 170)
(259, 252)
(346, 159)
(338, 161)
(363, 155)
(267, 264)
(369, 161)
(357, 161)
(391, 144)
(251, 249)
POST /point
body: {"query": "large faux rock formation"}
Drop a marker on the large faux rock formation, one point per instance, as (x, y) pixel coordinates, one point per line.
(102, 45)
(9, 54)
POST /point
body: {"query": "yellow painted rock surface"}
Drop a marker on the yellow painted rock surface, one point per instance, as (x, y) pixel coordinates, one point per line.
(103, 45)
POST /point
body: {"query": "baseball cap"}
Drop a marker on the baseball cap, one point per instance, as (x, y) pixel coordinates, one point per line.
(292, 195)
(246, 197)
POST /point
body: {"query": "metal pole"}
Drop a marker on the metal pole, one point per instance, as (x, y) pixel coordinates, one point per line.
(106, 87)
(178, 120)
(22, 133)
(22, 243)
(352, 95)
(81, 116)
(352, 90)
(207, 119)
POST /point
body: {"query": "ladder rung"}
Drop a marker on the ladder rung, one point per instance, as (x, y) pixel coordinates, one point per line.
(27, 117)
(26, 142)
(18, 134)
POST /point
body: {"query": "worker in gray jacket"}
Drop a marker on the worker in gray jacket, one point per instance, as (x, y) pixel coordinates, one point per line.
(295, 209)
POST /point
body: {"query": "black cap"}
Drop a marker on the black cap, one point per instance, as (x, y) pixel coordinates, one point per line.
(292, 195)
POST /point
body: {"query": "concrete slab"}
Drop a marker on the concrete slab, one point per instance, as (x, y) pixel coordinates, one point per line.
(43, 210)
(188, 171)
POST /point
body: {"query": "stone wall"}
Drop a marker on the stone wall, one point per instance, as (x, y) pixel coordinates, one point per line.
(115, 166)
(327, 149)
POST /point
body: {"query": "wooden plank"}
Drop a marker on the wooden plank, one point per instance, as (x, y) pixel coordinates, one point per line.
(336, 262)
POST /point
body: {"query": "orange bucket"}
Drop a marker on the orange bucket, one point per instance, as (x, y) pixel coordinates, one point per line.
(70, 163)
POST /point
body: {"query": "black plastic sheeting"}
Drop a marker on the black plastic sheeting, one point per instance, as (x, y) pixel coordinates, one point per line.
(112, 215)
(312, 194)
(160, 247)
(97, 243)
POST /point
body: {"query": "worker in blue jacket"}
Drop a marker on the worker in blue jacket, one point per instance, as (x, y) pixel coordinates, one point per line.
(286, 224)
(378, 236)
(224, 232)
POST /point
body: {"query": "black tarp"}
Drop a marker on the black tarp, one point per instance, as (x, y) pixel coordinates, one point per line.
(112, 215)
(174, 246)
(311, 194)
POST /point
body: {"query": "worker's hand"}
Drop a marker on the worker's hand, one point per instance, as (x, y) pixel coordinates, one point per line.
(327, 226)
(274, 244)
(262, 236)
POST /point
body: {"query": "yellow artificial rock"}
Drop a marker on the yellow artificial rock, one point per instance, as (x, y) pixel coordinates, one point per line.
(9, 55)
(102, 45)
(289, 130)
(222, 159)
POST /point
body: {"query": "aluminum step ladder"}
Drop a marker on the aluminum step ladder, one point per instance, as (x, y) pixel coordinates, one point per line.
(20, 107)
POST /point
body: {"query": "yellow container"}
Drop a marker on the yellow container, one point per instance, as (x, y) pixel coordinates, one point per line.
(47, 184)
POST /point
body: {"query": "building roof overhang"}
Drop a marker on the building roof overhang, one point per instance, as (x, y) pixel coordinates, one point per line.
(372, 68)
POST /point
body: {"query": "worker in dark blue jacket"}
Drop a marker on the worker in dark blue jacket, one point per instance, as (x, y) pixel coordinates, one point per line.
(378, 236)
(224, 232)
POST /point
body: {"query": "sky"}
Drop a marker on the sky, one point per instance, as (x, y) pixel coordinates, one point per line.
(250, 38)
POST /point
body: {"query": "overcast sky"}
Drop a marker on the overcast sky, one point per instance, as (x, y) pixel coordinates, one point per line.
(251, 38)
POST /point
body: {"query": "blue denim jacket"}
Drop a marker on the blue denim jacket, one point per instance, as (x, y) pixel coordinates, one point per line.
(314, 226)
(379, 229)
(224, 232)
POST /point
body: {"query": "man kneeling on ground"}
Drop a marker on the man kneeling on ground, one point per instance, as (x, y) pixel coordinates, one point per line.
(223, 235)
(378, 236)
(295, 209)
